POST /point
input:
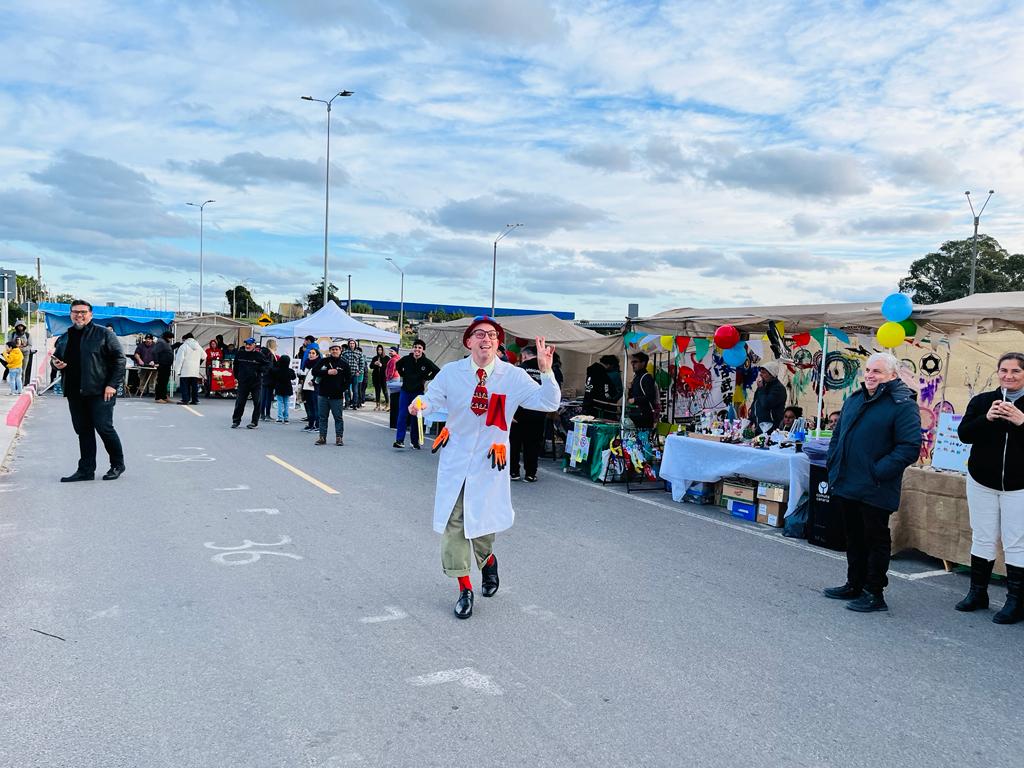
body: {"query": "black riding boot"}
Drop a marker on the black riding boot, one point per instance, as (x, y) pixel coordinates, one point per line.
(1013, 609)
(977, 597)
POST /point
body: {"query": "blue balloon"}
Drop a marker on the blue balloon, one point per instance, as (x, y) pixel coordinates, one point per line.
(897, 307)
(735, 356)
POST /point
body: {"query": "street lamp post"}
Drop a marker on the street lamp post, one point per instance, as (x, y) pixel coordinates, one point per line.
(977, 221)
(494, 266)
(327, 195)
(401, 300)
(201, 206)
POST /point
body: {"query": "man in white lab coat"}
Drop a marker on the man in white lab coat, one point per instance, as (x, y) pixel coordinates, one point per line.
(473, 500)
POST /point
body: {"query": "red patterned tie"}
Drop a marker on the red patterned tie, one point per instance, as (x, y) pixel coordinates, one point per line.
(478, 404)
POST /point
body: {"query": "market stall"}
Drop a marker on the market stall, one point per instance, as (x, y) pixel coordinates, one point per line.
(330, 322)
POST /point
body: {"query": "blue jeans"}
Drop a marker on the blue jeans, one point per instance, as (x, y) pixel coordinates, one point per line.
(14, 380)
(282, 407)
(404, 401)
(331, 405)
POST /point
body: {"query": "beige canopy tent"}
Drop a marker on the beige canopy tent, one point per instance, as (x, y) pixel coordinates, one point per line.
(206, 327)
(576, 347)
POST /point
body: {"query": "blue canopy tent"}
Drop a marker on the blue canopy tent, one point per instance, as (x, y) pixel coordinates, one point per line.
(125, 320)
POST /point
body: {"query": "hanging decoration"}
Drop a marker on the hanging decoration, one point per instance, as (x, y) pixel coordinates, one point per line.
(736, 355)
(701, 347)
(891, 334)
(909, 328)
(726, 337)
(682, 342)
(801, 339)
(897, 307)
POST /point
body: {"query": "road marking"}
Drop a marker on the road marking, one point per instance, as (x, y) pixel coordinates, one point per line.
(234, 488)
(252, 554)
(177, 458)
(295, 470)
(680, 509)
(927, 574)
(268, 510)
(368, 421)
(191, 448)
(393, 614)
(466, 677)
(110, 613)
(190, 409)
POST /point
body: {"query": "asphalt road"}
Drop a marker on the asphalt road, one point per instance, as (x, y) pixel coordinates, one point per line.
(213, 608)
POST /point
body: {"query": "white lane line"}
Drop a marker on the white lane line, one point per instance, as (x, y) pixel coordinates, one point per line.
(192, 410)
(368, 421)
(267, 510)
(234, 488)
(392, 614)
(927, 574)
(466, 677)
(296, 471)
(680, 508)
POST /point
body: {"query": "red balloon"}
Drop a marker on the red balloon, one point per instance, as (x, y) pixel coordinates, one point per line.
(727, 337)
(801, 339)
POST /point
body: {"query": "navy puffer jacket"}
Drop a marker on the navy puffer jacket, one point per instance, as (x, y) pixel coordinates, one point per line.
(878, 437)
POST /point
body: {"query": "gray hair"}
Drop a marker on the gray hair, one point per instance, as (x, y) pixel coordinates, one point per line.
(887, 359)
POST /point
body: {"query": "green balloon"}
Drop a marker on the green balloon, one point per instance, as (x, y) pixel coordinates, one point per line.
(909, 327)
(662, 379)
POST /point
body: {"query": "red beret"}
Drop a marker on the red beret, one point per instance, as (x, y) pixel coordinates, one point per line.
(480, 320)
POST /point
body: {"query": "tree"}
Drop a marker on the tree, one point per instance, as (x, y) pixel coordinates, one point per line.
(315, 299)
(64, 298)
(29, 289)
(247, 306)
(946, 275)
(441, 315)
(362, 308)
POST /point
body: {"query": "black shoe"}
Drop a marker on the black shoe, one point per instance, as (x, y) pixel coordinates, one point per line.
(78, 477)
(868, 603)
(977, 596)
(530, 478)
(397, 444)
(464, 605)
(113, 473)
(252, 426)
(845, 592)
(194, 402)
(416, 446)
(339, 441)
(1013, 609)
(513, 476)
(489, 576)
(183, 402)
(234, 425)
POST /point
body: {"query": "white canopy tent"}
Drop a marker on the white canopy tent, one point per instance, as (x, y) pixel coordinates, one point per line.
(329, 322)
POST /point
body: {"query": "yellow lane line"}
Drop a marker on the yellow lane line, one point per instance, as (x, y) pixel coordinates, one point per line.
(190, 409)
(295, 470)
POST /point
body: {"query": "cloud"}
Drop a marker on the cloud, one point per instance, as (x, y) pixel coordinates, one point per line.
(911, 222)
(670, 257)
(245, 169)
(606, 157)
(796, 172)
(805, 225)
(929, 167)
(541, 214)
(526, 22)
(666, 159)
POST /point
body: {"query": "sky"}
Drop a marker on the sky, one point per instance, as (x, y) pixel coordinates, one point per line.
(669, 154)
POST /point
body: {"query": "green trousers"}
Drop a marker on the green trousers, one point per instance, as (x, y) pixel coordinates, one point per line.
(456, 549)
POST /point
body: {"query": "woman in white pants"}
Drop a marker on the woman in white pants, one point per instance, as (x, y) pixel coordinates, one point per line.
(994, 427)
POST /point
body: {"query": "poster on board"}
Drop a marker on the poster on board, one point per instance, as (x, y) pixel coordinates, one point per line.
(949, 452)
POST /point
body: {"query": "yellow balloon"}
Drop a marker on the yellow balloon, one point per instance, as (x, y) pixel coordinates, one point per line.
(650, 368)
(666, 342)
(891, 335)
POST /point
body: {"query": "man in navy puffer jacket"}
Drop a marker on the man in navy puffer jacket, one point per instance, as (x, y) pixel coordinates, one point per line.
(879, 436)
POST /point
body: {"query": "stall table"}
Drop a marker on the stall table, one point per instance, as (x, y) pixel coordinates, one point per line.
(687, 460)
(601, 435)
(933, 517)
(147, 379)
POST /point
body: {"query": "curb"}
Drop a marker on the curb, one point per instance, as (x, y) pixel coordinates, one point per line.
(12, 423)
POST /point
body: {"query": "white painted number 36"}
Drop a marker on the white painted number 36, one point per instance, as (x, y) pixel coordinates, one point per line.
(248, 555)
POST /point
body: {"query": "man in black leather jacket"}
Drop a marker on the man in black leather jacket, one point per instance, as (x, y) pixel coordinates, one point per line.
(250, 364)
(91, 363)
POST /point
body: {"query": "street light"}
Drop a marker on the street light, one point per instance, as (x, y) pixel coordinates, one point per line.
(401, 305)
(201, 206)
(977, 220)
(494, 266)
(327, 195)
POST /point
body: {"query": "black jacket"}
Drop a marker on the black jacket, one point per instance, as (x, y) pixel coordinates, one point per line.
(332, 387)
(769, 404)
(162, 353)
(877, 439)
(102, 360)
(997, 447)
(250, 366)
(598, 387)
(281, 380)
(416, 373)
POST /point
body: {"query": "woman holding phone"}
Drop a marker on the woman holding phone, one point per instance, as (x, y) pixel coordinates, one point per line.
(994, 427)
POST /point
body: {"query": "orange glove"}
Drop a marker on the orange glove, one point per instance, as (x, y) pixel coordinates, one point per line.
(497, 456)
(441, 440)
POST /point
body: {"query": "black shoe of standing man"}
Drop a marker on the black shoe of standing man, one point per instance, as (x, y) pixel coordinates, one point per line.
(489, 574)
(114, 472)
(77, 477)
(464, 605)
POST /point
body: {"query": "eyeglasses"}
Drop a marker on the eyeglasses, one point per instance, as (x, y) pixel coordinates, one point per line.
(484, 335)
(80, 311)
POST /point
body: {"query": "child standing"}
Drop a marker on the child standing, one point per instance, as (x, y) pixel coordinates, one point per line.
(281, 378)
(13, 360)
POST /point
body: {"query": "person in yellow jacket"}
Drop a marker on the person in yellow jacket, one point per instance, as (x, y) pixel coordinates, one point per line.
(13, 359)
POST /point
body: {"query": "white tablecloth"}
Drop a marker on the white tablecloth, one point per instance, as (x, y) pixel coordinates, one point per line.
(690, 460)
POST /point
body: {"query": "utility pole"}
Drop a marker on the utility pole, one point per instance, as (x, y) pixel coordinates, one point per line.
(350, 294)
(974, 249)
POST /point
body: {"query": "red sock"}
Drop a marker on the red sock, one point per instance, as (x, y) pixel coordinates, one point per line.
(489, 560)
(465, 583)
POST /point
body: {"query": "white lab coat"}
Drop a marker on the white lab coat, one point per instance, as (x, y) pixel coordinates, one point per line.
(189, 359)
(487, 502)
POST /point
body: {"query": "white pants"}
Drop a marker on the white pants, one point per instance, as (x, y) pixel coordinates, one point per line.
(996, 515)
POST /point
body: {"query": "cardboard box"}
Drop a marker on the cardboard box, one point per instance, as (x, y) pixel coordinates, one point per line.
(739, 489)
(772, 492)
(771, 513)
(715, 438)
(745, 510)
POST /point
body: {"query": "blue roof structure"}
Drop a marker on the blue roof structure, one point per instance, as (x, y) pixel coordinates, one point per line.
(126, 320)
(393, 306)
